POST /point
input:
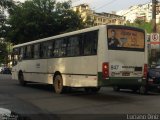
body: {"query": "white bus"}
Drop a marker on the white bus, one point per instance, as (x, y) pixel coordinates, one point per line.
(90, 58)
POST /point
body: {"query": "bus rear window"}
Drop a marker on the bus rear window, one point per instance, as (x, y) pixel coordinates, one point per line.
(125, 39)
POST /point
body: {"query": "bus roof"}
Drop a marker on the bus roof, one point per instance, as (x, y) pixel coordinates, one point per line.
(61, 35)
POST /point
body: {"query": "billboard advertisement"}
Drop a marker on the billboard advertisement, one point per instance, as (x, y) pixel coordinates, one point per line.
(125, 38)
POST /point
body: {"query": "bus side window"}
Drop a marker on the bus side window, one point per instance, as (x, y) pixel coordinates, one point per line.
(22, 53)
(32, 51)
(73, 48)
(87, 44)
(15, 56)
(50, 50)
(36, 51)
(95, 42)
(42, 50)
(90, 40)
(56, 48)
(29, 52)
(59, 47)
(63, 47)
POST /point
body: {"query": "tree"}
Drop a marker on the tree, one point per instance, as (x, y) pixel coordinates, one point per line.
(68, 19)
(37, 19)
(3, 52)
(5, 5)
(141, 24)
(138, 21)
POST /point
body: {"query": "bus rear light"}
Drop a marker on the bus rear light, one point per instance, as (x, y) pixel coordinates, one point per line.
(145, 72)
(105, 70)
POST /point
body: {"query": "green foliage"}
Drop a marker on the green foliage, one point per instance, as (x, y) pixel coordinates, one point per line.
(141, 24)
(6, 3)
(3, 52)
(138, 21)
(37, 19)
(89, 22)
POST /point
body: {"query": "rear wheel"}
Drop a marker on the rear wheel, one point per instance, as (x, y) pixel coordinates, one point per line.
(58, 84)
(21, 79)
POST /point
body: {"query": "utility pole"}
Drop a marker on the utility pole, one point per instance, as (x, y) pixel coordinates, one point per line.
(154, 2)
(153, 52)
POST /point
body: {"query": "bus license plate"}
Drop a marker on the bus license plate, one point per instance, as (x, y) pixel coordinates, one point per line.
(125, 74)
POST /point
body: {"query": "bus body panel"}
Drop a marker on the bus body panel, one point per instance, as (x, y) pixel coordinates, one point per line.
(126, 63)
(33, 70)
(125, 67)
(75, 73)
(78, 72)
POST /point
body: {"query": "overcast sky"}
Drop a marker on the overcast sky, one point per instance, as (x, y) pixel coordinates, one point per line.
(107, 5)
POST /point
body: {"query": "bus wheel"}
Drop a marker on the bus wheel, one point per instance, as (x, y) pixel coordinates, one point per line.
(21, 79)
(58, 84)
(116, 88)
(92, 89)
(143, 90)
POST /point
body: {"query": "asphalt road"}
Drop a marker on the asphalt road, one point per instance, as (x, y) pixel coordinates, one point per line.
(38, 101)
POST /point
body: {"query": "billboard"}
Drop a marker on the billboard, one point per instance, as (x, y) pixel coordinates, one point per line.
(125, 38)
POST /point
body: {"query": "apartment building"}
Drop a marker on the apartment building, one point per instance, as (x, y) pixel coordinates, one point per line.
(98, 18)
(142, 11)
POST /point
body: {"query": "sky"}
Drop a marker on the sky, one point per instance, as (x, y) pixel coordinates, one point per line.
(107, 5)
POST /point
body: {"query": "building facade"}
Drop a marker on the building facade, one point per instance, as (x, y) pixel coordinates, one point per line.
(98, 18)
(108, 18)
(142, 11)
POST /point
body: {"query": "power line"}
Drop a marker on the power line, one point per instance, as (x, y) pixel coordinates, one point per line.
(105, 5)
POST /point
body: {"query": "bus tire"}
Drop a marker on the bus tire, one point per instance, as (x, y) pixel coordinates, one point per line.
(58, 84)
(92, 89)
(21, 80)
(116, 88)
(143, 90)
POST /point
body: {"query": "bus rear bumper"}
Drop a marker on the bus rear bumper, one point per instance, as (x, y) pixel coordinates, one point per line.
(123, 81)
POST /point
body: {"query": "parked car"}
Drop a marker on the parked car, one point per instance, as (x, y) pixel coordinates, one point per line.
(6, 71)
(154, 77)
